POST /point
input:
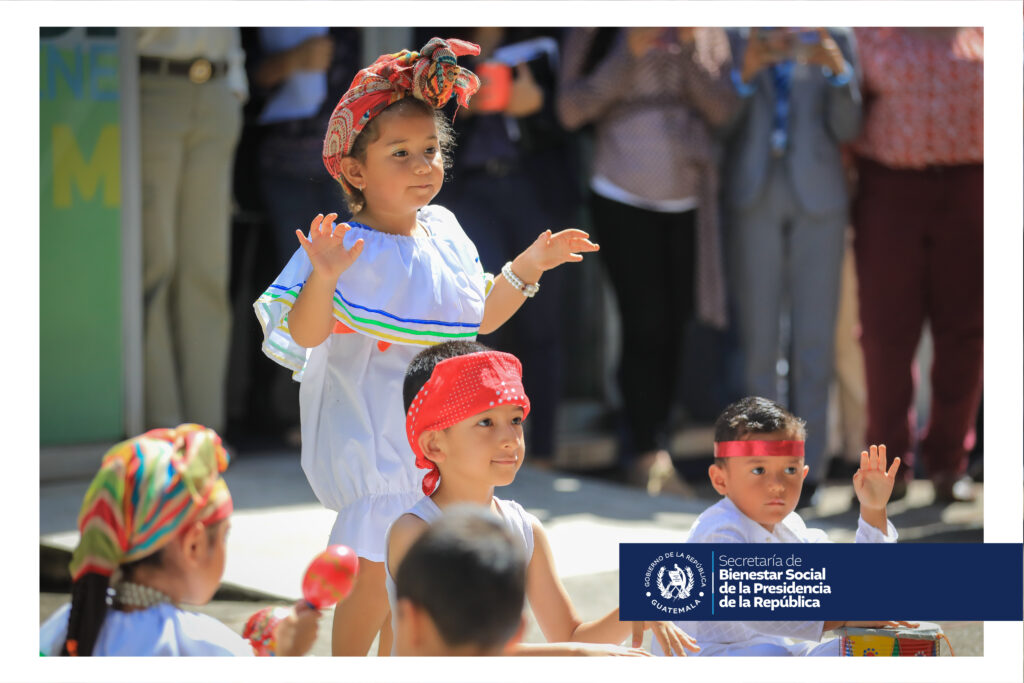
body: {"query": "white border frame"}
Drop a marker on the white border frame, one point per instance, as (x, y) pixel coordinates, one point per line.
(1003, 371)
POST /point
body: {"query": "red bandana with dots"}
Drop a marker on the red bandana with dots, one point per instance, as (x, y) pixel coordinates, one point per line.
(458, 388)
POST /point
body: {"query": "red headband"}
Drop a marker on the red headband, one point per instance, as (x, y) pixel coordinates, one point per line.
(458, 388)
(735, 449)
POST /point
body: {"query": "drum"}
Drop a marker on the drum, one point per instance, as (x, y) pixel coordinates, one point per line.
(922, 641)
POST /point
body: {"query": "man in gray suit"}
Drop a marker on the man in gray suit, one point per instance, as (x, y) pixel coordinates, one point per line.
(786, 202)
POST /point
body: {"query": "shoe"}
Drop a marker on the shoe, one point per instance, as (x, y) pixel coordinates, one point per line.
(950, 489)
(656, 473)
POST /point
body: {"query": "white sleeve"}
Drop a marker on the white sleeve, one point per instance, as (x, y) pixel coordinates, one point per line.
(801, 630)
(202, 635)
(869, 534)
(272, 308)
(449, 225)
(54, 631)
(238, 83)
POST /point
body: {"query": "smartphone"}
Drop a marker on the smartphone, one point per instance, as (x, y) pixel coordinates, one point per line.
(775, 43)
(802, 42)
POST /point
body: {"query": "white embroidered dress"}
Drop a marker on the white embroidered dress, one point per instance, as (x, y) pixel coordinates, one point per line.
(723, 522)
(401, 295)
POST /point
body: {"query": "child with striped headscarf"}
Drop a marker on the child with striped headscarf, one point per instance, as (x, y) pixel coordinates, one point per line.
(358, 300)
(153, 528)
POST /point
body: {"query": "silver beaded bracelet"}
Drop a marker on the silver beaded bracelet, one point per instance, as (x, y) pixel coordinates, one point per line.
(514, 280)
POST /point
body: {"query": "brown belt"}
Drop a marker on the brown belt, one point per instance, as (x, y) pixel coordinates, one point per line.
(197, 70)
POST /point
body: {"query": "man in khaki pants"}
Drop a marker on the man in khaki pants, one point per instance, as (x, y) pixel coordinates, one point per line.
(192, 85)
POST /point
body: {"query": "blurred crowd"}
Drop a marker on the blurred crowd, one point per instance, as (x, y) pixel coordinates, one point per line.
(782, 212)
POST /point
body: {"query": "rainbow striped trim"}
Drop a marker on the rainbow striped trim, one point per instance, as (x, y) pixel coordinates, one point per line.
(374, 322)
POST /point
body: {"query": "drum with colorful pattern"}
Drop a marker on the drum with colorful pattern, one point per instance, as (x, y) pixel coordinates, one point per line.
(922, 641)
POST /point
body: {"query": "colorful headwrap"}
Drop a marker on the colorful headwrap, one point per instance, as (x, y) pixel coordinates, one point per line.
(735, 449)
(430, 75)
(458, 388)
(147, 489)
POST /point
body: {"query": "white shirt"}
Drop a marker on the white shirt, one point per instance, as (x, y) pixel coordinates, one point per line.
(723, 522)
(407, 291)
(161, 630)
(215, 44)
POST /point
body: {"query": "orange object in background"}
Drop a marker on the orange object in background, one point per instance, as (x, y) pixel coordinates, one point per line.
(495, 87)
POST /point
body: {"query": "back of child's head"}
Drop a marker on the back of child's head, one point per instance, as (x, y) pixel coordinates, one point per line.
(753, 415)
(421, 367)
(469, 575)
(147, 491)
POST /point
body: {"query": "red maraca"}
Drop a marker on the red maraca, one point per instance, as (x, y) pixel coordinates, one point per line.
(328, 580)
(260, 630)
(330, 576)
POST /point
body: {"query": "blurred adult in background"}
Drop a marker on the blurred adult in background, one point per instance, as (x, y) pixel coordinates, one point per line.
(513, 175)
(296, 75)
(785, 192)
(192, 84)
(654, 97)
(918, 221)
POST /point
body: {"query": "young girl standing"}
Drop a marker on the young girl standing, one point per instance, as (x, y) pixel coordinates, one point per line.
(359, 300)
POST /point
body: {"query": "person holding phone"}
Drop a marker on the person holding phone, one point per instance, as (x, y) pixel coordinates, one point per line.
(786, 202)
(655, 99)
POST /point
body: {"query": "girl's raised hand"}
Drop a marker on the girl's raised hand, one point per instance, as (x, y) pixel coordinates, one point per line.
(872, 482)
(550, 250)
(673, 640)
(325, 247)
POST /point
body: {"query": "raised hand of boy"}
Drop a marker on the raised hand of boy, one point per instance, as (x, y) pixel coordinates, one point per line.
(673, 640)
(325, 247)
(873, 485)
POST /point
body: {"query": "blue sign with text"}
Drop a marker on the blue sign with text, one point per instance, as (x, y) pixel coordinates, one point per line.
(821, 581)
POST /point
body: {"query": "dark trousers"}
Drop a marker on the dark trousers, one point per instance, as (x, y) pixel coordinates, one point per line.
(919, 244)
(503, 216)
(292, 200)
(650, 257)
(293, 191)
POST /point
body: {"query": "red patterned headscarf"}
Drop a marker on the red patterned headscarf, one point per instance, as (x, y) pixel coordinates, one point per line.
(458, 388)
(430, 75)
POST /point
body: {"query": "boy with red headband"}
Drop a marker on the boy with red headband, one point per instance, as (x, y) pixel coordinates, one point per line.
(465, 406)
(759, 469)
